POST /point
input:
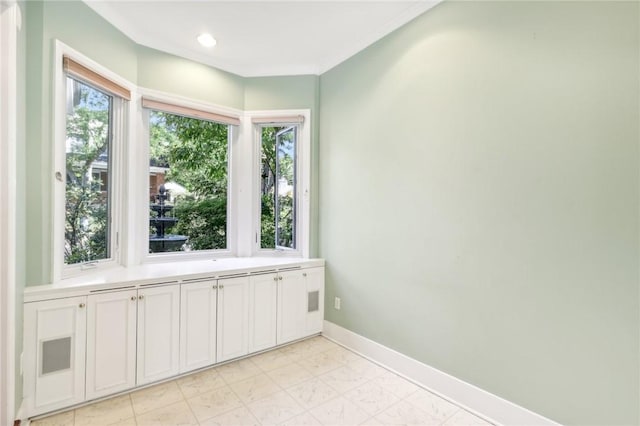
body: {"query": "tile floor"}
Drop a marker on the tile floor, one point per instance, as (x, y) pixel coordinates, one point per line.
(313, 382)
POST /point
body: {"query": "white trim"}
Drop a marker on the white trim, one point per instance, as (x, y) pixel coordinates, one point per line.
(478, 401)
(244, 176)
(188, 102)
(303, 195)
(130, 192)
(118, 179)
(141, 206)
(9, 18)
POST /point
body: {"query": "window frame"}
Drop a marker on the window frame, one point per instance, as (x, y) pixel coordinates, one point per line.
(130, 178)
(232, 220)
(9, 118)
(120, 140)
(283, 118)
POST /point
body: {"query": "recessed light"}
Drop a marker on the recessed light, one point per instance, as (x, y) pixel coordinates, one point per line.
(206, 40)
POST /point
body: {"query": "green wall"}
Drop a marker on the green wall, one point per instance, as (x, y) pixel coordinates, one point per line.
(168, 73)
(76, 25)
(479, 200)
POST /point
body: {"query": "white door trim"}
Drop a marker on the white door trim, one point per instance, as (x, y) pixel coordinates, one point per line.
(8, 130)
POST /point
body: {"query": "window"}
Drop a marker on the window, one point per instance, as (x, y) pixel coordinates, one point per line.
(88, 166)
(282, 188)
(188, 183)
(278, 189)
(188, 178)
(205, 184)
(90, 123)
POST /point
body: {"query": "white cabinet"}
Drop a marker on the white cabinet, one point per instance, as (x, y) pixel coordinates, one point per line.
(300, 304)
(55, 345)
(120, 320)
(314, 302)
(198, 306)
(263, 293)
(233, 315)
(158, 333)
(111, 342)
(291, 296)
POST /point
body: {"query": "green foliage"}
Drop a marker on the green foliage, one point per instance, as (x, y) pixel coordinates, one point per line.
(86, 213)
(277, 162)
(267, 222)
(86, 225)
(285, 222)
(195, 151)
(204, 221)
(267, 188)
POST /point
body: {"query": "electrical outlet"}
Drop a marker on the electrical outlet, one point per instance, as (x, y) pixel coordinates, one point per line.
(336, 303)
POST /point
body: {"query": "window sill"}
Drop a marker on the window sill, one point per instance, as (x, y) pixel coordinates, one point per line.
(161, 273)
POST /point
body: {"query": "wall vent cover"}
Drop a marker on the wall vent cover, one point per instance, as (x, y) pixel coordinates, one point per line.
(313, 302)
(56, 355)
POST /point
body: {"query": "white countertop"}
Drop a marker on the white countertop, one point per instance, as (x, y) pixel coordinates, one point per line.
(157, 273)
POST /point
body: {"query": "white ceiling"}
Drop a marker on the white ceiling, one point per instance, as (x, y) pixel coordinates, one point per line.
(261, 38)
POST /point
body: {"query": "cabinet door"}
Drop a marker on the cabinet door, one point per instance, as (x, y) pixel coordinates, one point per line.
(158, 333)
(314, 278)
(233, 318)
(263, 295)
(292, 294)
(54, 350)
(197, 325)
(111, 343)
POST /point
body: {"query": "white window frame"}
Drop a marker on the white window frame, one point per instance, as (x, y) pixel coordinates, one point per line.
(234, 139)
(303, 180)
(129, 184)
(9, 24)
(121, 113)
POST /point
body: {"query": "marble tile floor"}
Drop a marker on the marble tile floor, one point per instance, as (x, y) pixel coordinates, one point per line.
(312, 382)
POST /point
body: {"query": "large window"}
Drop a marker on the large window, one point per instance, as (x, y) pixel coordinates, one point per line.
(188, 183)
(88, 168)
(145, 176)
(90, 127)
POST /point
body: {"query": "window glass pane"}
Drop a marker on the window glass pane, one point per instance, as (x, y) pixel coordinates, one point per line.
(187, 183)
(88, 168)
(278, 187)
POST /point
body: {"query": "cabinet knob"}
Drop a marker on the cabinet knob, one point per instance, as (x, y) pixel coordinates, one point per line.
(133, 298)
(81, 305)
(220, 286)
(215, 287)
(280, 278)
(141, 297)
(275, 278)
(304, 274)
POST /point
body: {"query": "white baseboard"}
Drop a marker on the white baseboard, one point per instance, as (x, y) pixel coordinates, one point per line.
(480, 402)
